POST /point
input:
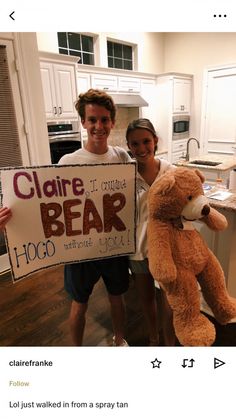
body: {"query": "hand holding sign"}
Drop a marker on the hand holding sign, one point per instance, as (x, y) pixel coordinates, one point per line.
(5, 215)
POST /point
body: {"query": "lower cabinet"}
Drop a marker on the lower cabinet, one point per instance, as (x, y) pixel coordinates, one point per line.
(178, 150)
(223, 245)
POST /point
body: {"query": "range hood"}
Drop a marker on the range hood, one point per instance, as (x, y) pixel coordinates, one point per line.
(128, 101)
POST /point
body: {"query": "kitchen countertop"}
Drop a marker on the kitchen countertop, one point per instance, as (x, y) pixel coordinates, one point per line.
(228, 163)
(228, 204)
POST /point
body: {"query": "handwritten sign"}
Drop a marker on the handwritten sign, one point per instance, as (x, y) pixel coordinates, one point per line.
(66, 214)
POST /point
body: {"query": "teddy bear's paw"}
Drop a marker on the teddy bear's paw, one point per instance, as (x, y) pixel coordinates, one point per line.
(196, 332)
(226, 312)
(167, 273)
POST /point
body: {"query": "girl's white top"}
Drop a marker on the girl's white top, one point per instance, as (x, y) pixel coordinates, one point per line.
(82, 156)
(142, 212)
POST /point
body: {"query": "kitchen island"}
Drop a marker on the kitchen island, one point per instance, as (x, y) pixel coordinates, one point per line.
(213, 166)
(223, 244)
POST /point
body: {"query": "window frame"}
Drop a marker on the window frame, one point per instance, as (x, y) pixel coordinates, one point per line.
(80, 50)
(122, 44)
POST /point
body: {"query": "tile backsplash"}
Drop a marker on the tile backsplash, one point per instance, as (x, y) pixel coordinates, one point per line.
(123, 117)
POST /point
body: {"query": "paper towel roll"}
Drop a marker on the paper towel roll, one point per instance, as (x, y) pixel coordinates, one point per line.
(232, 180)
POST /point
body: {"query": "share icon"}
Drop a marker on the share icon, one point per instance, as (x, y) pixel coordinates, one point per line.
(218, 363)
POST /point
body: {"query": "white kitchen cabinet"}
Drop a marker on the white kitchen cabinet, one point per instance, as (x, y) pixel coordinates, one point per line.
(113, 83)
(179, 145)
(83, 82)
(106, 82)
(178, 149)
(173, 98)
(129, 84)
(218, 128)
(177, 89)
(181, 95)
(59, 89)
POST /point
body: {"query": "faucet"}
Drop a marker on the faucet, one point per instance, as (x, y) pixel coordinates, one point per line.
(187, 150)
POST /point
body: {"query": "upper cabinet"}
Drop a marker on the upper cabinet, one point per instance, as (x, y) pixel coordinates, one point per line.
(129, 84)
(83, 82)
(113, 83)
(105, 82)
(59, 89)
(181, 95)
(175, 91)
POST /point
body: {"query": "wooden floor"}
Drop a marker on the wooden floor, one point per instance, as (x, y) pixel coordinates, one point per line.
(35, 311)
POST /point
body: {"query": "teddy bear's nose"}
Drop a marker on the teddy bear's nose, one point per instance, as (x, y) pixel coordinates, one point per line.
(205, 210)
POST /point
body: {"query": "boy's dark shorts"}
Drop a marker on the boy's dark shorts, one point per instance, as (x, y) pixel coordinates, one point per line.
(80, 278)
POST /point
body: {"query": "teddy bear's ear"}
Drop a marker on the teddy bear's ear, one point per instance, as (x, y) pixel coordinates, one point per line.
(200, 174)
(165, 183)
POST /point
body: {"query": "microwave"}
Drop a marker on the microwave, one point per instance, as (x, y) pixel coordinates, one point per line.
(180, 127)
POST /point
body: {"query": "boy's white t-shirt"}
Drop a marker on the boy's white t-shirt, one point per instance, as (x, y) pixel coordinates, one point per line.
(82, 156)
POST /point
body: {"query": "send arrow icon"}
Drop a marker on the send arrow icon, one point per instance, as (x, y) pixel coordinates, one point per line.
(218, 363)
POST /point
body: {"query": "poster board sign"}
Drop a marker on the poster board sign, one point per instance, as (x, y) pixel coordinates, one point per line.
(67, 214)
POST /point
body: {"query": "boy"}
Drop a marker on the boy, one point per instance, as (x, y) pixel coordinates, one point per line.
(97, 112)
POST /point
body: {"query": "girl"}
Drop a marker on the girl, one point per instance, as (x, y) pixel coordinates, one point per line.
(142, 142)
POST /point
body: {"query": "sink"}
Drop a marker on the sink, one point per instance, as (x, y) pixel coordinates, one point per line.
(205, 162)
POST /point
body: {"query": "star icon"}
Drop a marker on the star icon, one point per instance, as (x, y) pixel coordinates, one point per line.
(156, 363)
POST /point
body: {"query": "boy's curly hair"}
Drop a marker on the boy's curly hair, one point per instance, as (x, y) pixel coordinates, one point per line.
(97, 97)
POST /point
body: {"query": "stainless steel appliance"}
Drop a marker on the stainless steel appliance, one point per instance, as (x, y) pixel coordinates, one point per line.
(64, 138)
(180, 127)
(128, 100)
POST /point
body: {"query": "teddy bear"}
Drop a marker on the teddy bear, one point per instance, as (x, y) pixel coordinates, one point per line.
(180, 260)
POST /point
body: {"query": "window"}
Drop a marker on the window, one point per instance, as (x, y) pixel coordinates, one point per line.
(119, 56)
(78, 45)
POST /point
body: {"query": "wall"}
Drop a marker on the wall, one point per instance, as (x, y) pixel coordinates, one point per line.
(123, 118)
(193, 53)
(149, 52)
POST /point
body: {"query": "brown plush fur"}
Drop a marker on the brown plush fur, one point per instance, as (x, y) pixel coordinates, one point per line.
(180, 260)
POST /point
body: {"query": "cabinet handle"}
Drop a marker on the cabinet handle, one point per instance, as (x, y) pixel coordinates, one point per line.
(130, 90)
(60, 110)
(55, 110)
(105, 88)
